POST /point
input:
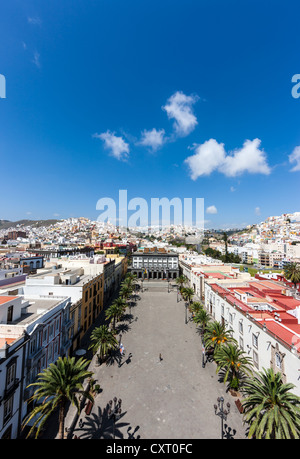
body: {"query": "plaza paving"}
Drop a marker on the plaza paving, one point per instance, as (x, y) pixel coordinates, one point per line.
(168, 399)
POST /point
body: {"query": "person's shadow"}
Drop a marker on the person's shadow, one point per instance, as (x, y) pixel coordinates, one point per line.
(127, 361)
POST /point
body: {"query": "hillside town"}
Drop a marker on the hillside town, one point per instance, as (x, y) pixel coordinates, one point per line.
(57, 281)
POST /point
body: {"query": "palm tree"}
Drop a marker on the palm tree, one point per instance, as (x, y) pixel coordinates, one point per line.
(188, 294)
(131, 277)
(181, 280)
(60, 383)
(202, 317)
(292, 272)
(196, 307)
(114, 311)
(121, 303)
(102, 339)
(130, 280)
(235, 363)
(216, 335)
(270, 409)
(126, 291)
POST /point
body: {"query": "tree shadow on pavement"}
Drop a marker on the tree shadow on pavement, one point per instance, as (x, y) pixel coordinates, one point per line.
(123, 328)
(131, 434)
(127, 317)
(229, 433)
(114, 356)
(100, 426)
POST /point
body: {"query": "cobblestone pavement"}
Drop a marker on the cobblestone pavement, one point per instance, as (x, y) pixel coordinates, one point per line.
(172, 398)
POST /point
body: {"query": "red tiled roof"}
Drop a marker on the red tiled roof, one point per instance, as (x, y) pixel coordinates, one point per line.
(6, 340)
(5, 299)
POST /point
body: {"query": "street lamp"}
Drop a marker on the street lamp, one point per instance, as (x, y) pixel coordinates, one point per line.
(203, 355)
(135, 292)
(222, 413)
(114, 412)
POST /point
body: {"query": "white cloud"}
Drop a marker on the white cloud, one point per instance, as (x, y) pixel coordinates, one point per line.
(294, 157)
(211, 156)
(207, 158)
(153, 139)
(232, 189)
(34, 20)
(257, 210)
(249, 158)
(179, 107)
(36, 59)
(211, 210)
(118, 147)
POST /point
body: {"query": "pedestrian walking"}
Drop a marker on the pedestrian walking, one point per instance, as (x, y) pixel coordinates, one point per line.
(160, 357)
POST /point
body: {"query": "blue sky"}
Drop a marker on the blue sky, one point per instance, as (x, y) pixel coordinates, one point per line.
(162, 98)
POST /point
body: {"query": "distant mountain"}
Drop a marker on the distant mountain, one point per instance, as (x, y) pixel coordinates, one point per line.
(6, 224)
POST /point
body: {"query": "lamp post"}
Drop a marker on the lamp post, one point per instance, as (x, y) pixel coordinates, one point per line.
(114, 412)
(222, 413)
(203, 355)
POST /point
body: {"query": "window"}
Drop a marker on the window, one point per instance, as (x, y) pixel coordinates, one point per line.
(56, 348)
(241, 327)
(45, 335)
(43, 362)
(10, 375)
(255, 359)
(255, 340)
(230, 318)
(8, 409)
(10, 314)
(241, 343)
(33, 345)
(278, 360)
(50, 353)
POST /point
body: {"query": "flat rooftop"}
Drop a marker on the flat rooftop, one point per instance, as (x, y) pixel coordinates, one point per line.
(37, 307)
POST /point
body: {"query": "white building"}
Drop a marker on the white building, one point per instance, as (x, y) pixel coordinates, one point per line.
(268, 332)
(155, 264)
(33, 333)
